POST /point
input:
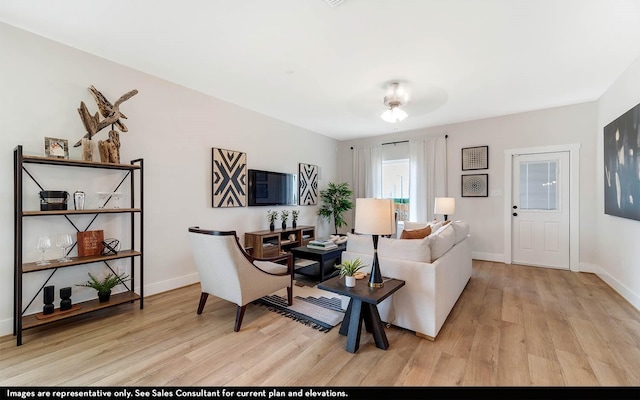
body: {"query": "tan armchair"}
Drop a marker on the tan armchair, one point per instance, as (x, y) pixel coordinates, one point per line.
(228, 272)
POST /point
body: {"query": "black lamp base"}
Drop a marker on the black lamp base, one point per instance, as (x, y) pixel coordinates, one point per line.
(375, 280)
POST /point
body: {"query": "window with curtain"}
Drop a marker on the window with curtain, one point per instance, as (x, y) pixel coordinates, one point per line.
(395, 185)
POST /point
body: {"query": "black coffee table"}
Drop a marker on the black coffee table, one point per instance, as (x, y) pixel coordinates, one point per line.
(321, 256)
(363, 305)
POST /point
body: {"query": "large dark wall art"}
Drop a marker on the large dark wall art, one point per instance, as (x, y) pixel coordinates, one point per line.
(229, 178)
(308, 192)
(622, 166)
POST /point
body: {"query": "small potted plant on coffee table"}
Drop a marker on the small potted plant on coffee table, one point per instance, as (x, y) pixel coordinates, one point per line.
(348, 269)
(104, 285)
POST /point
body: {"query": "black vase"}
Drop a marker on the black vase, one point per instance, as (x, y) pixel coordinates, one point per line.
(284, 224)
(103, 297)
(294, 224)
(272, 227)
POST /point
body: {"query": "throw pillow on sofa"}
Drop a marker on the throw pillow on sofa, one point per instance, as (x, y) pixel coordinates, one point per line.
(441, 241)
(461, 228)
(416, 233)
(405, 249)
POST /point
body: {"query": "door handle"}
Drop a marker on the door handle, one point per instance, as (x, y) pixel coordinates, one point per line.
(515, 214)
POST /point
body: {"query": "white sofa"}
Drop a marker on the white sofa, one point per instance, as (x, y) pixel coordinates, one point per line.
(436, 269)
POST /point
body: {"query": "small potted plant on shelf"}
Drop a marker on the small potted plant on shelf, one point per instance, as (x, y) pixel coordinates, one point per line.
(294, 218)
(284, 216)
(271, 217)
(104, 285)
(348, 269)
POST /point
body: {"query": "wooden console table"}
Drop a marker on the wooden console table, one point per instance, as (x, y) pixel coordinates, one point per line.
(363, 305)
(268, 243)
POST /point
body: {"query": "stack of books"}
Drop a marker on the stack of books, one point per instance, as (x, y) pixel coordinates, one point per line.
(322, 245)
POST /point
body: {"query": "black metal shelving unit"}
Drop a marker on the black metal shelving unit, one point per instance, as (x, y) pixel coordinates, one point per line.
(23, 322)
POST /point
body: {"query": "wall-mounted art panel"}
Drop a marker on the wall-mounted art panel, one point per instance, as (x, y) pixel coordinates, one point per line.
(475, 185)
(229, 179)
(475, 158)
(622, 166)
(308, 189)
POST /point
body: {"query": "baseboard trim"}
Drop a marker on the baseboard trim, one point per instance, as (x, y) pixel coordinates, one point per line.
(477, 255)
(629, 295)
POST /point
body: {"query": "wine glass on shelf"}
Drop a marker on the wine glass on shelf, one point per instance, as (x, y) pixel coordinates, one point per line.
(44, 244)
(64, 241)
(116, 199)
(103, 198)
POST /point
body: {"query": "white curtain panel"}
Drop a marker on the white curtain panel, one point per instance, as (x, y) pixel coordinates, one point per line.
(367, 172)
(427, 176)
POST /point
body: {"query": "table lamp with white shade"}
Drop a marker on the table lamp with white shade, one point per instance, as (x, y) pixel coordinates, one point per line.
(445, 206)
(375, 217)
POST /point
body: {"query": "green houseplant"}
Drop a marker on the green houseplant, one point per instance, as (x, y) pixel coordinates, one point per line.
(284, 216)
(336, 199)
(294, 218)
(348, 268)
(271, 217)
(104, 285)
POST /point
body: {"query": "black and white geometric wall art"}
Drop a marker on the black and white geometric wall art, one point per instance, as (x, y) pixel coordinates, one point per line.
(622, 166)
(475, 158)
(229, 179)
(475, 185)
(308, 190)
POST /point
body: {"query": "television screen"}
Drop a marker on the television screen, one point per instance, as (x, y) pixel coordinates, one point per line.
(267, 188)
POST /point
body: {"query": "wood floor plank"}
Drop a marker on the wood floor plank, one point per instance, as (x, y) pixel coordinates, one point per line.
(513, 325)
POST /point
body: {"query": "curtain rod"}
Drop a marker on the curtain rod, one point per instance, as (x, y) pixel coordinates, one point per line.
(401, 141)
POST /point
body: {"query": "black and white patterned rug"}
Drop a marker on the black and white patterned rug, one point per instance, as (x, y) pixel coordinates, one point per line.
(317, 308)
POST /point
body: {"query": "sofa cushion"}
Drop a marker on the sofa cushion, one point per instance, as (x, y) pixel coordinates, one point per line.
(441, 241)
(405, 249)
(416, 233)
(461, 228)
(414, 225)
(359, 243)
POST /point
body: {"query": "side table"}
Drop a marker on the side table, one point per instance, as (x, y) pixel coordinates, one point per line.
(363, 306)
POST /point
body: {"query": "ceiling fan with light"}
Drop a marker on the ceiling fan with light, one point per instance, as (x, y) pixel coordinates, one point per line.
(396, 97)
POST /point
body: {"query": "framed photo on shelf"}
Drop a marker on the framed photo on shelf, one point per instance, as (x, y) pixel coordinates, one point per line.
(475, 158)
(56, 148)
(90, 243)
(475, 185)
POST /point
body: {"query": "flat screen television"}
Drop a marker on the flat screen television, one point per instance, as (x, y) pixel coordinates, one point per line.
(267, 188)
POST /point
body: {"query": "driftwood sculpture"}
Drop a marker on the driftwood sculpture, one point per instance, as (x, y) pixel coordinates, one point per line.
(109, 149)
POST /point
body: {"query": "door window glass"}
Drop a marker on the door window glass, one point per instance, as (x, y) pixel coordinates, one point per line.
(538, 185)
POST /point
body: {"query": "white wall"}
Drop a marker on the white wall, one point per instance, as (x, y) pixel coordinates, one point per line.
(618, 253)
(556, 126)
(172, 128)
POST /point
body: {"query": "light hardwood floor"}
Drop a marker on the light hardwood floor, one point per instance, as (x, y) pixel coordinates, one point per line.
(512, 326)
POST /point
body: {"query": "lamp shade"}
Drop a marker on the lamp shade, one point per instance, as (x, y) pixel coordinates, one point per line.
(445, 206)
(375, 217)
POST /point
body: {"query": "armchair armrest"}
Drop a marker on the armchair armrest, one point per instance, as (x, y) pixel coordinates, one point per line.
(288, 257)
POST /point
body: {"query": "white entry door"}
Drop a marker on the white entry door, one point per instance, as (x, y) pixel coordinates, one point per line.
(540, 210)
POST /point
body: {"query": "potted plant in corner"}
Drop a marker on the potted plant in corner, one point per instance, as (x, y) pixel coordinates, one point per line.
(294, 218)
(271, 217)
(104, 286)
(336, 199)
(348, 269)
(284, 216)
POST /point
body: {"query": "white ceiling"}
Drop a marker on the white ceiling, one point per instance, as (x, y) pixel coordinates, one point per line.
(326, 68)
